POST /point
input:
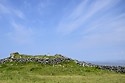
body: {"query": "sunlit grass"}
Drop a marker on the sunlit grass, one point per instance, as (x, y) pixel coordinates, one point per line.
(66, 72)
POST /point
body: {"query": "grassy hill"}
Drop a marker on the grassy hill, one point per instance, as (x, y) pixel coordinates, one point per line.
(65, 72)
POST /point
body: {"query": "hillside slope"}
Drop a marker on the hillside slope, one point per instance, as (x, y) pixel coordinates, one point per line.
(63, 72)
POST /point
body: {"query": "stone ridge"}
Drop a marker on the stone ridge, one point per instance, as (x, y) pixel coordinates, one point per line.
(120, 69)
(39, 60)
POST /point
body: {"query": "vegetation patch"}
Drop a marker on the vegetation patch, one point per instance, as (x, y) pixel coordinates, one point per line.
(65, 72)
(36, 56)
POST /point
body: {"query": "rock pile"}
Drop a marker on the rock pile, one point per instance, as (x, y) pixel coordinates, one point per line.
(39, 60)
(120, 69)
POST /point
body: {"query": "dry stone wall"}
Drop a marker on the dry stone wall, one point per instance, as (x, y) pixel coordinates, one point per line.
(39, 60)
(120, 69)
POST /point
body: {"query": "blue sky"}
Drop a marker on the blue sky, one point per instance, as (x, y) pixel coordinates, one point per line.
(87, 30)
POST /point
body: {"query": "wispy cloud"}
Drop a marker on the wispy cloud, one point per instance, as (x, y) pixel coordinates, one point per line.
(11, 11)
(43, 5)
(20, 33)
(4, 9)
(82, 13)
(98, 23)
(19, 14)
(107, 34)
(27, 4)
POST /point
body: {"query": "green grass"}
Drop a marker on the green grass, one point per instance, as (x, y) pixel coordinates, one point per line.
(36, 56)
(66, 72)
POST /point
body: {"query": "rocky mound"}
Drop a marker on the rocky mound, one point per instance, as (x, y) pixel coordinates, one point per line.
(58, 59)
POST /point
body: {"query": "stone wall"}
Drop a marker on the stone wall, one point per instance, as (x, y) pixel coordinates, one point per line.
(39, 60)
(120, 69)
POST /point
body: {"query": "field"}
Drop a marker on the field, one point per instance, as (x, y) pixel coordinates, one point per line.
(66, 72)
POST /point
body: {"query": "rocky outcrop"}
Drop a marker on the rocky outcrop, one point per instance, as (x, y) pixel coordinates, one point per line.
(39, 60)
(120, 69)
